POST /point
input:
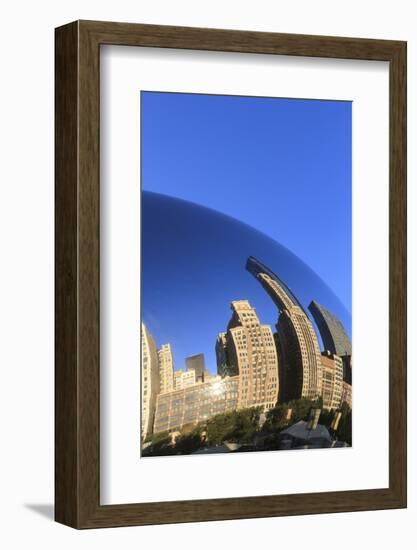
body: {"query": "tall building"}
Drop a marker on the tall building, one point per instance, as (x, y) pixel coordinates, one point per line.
(166, 368)
(184, 379)
(197, 364)
(247, 349)
(347, 394)
(347, 369)
(332, 380)
(299, 354)
(224, 367)
(334, 337)
(197, 403)
(207, 376)
(150, 381)
(332, 331)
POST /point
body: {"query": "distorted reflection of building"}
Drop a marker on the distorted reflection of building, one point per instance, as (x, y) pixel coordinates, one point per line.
(150, 381)
(197, 403)
(184, 379)
(347, 368)
(255, 368)
(247, 349)
(334, 337)
(332, 380)
(196, 363)
(300, 372)
(332, 331)
(207, 376)
(335, 340)
(223, 367)
(347, 394)
(166, 368)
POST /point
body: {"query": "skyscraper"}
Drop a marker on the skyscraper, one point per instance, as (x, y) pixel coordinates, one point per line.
(248, 349)
(347, 394)
(196, 363)
(298, 349)
(332, 380)
(334, 337)
(166, 368)
(184, 379)
(150, 381)
(332, 331)
(196, 403)
(224, 366)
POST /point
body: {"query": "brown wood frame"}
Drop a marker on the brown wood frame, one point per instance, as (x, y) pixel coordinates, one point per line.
(77, 359)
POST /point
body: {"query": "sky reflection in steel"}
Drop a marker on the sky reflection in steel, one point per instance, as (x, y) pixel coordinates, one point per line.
(193, 266)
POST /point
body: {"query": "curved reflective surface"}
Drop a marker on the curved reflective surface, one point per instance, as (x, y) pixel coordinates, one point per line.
(193, 266)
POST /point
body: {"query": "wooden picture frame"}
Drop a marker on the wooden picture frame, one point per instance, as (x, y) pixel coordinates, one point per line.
(77, 374)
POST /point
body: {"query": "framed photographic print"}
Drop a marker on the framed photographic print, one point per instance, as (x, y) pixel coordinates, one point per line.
(230, 274)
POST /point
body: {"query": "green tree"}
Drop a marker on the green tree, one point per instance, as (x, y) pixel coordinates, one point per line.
(278, 418)
(237, 426)
(160, 445)
(189, 441)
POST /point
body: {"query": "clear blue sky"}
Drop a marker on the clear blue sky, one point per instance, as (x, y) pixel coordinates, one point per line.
(281, 166)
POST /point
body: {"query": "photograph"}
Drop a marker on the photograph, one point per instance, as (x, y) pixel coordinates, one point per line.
(208, 267)
(246, 274)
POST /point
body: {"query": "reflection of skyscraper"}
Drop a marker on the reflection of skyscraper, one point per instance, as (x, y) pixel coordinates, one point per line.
(331, 330)
(347, 369)
(248, 349)
(184, 379)
(347, 394)
(150, 381)
(166, 368)
(299, 353)
(224, 367)
(196, 403)
(196, 363)
(334, 336)
(332, 380)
